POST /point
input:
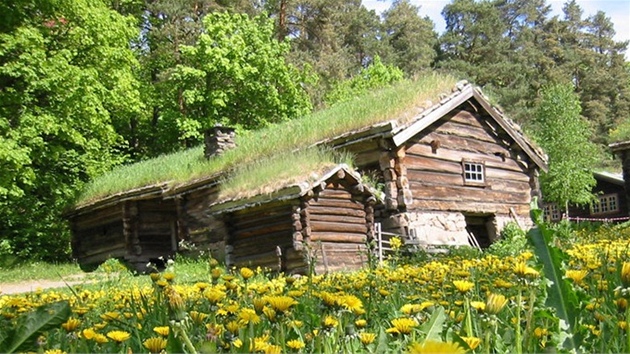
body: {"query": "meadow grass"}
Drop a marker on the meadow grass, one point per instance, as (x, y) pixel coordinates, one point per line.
(400, 102)
(37, 271)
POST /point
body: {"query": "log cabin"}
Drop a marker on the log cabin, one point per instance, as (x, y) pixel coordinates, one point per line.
(452, 171)
(611, 204)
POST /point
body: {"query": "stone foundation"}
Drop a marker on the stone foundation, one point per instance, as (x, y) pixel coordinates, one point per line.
(433, 228)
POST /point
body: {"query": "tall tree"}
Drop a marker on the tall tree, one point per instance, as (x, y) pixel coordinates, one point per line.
(410, 36)
(235, 74)
(66, 78)
(564, 135)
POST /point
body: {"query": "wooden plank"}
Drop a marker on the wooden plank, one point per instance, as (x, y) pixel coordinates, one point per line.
(325, 202)
(454, 142)
(313, 210)
(430, 179)
(262, 229)
(335, 194)
(335, 217)
(417, 157)
(464, 193)
(470, 206)
(338, 226)
(338, 237)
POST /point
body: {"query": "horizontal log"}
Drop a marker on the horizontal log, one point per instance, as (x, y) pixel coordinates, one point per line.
(341, 194)
(96, 218)
(313, 210)
(497, 207)
(468, 194)
(458, 143)
(355, 219)
(464, 117)
(430, 179)
(338, 237)
(338, 226)
(447, 156)
(262, 229)
(336, 203)
(275, 238)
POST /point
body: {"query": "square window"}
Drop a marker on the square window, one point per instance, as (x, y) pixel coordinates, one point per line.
(605, 204)
(474, 173)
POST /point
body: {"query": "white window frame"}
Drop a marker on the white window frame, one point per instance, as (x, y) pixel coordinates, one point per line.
(606, 204)
(474, 173)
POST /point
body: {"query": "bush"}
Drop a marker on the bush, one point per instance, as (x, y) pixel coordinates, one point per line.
(512, 241)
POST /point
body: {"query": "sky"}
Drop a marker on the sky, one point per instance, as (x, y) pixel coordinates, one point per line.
(617, 10)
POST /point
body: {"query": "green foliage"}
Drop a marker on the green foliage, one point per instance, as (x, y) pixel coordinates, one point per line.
(564, 135)
(375, 76)
(560, 295)
(67, 79)
(235, 75)
(23, 336)
(512, 241)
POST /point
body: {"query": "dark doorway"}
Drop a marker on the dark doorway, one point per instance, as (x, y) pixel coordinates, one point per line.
(481, 227)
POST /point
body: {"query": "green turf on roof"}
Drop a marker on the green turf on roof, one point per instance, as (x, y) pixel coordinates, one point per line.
(393, 103)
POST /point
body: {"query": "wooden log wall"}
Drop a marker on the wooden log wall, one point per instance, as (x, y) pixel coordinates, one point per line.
(256, 234)
(338, 227)
(98, 235)
(156, 231)
(433, 163)
(197, 226)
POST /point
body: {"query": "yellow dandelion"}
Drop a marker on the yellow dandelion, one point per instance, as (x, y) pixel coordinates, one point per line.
(54, 351)
(280, 303)
(540, 332)
(111, 315)
(495, 303)
(214, 295)
(435, 347)
(360, 323)
(202, 286)
(246, 273)
(395, 243)
(118, 336)
(273, 349)
(260, 344)
(155, 277)
(295, 344)
(162, 330)
(237, 343)
(523, 270)
(88, 333)
(473, 342)
(402, 325)
(622, 325)
(351, 303)
(169, 276)
(270, 313)
(155, 344)
(478, 305)
(198, 317)
(625, 274)
(100, 338)
(331, 321)
(576, 275)
(367, 337)
(71, 324)
(463, 286)
(233, 327)
(247, 316)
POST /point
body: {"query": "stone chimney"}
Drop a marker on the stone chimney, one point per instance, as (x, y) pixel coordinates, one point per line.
(218, 139)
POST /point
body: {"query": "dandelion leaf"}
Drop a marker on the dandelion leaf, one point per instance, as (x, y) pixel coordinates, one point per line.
(30, 325)
(560, 295)
(432, 329)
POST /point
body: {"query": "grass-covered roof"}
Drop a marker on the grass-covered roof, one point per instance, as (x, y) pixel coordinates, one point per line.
(271, 157)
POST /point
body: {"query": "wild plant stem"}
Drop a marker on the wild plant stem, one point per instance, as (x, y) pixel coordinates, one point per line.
(628, 328)
(517, 339)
